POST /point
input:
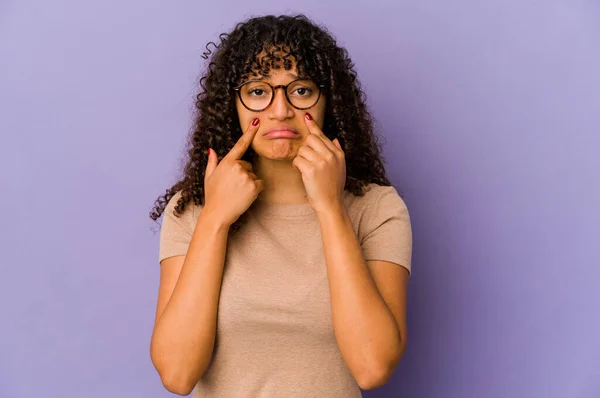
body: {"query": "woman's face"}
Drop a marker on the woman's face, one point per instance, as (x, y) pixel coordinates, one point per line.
(280, 115)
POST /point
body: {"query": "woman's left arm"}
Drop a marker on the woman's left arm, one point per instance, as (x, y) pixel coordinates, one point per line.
(368, 300)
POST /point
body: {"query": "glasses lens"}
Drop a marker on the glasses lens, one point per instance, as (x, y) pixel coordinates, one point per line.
(303, 93)
(256, 95)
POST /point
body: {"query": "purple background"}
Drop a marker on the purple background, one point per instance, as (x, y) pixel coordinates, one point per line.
(491, 111)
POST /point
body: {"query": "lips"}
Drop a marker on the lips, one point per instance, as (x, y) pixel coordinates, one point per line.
(281, 134)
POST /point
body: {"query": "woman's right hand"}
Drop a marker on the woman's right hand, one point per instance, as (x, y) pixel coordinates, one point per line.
(230, 186)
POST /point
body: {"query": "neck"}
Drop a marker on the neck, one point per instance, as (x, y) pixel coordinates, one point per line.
(283, 182)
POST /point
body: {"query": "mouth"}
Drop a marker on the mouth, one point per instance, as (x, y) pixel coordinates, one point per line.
(281, 133)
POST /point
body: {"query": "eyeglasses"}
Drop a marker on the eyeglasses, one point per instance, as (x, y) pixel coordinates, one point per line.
(257, 95)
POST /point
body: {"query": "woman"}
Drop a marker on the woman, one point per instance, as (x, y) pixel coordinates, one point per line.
(285, 252)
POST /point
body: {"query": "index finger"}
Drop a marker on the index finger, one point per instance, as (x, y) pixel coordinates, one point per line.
(242, 145)
(313, 128)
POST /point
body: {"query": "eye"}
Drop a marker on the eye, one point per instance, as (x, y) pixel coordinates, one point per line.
(302, 91)
(256, 92)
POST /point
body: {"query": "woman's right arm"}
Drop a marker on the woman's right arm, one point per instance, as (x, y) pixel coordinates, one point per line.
(186, 315)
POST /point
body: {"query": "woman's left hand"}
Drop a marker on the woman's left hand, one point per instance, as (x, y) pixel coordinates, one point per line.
(323, 166)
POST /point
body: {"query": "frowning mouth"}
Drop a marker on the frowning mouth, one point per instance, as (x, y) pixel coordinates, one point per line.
(281, 134)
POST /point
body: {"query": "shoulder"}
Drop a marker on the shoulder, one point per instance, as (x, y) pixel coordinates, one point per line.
(375, 197)
(189, 215)
(383, 225)
(378, 205)
(176, 228)
(173, 201)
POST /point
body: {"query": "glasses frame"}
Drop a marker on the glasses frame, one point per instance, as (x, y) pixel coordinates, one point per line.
(274, 88)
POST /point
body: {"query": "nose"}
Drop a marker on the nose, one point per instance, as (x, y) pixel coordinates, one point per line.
(280, 109)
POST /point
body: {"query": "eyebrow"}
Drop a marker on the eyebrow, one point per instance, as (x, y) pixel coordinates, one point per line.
(293, 76)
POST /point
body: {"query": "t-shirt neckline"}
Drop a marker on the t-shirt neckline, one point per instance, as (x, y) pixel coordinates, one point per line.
(282, 209)
(285, 209)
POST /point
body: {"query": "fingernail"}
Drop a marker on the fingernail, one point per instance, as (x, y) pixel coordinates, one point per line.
(208, 152)
(255, 122)
(308, 116)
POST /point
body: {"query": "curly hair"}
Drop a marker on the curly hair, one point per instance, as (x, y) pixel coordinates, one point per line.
(254, 47)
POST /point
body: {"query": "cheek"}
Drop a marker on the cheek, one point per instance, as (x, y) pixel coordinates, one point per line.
(240, 111)
(321, 113)
(321, 119)
(244, 115)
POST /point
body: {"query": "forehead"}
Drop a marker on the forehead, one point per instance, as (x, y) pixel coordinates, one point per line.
(277, 62)
(276, 75)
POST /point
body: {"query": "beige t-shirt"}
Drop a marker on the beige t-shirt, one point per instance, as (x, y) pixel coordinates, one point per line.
(274, 331)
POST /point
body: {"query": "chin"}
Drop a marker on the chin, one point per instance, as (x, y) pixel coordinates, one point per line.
(278, 150)
(278, 156)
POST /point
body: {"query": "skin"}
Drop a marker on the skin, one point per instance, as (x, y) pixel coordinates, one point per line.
(368, 298)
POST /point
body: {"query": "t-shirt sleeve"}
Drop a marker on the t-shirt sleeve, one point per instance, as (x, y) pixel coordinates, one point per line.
(175, 232)
(387, 233)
